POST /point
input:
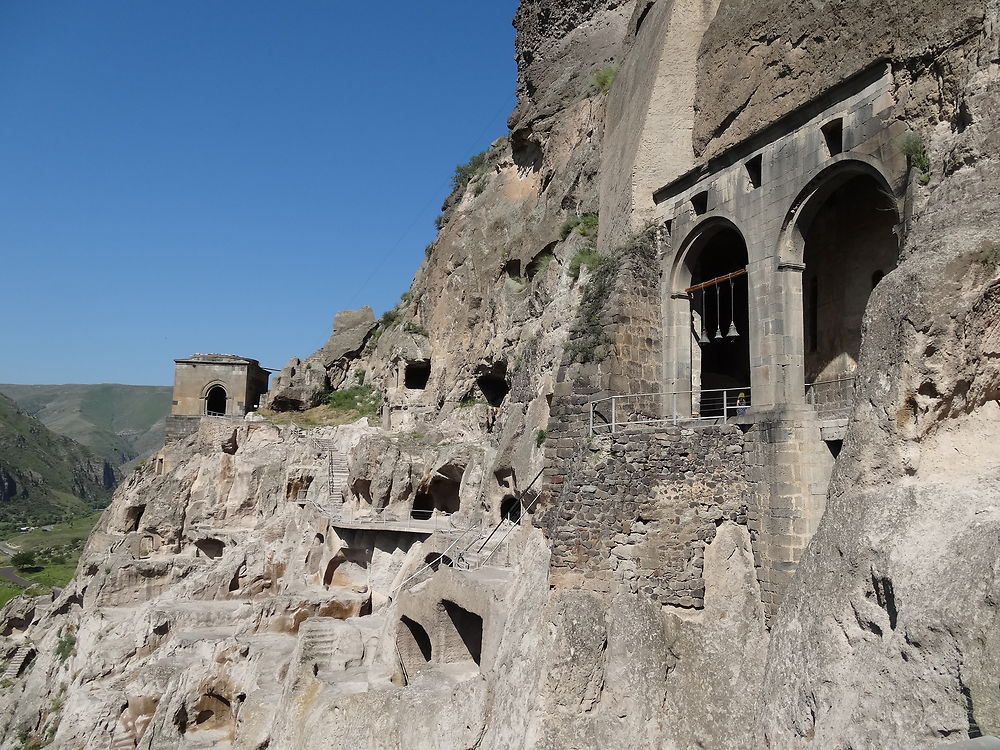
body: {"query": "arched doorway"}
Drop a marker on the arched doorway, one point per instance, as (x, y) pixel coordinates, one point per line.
(715, 271)
(215, 401)
(848, 245)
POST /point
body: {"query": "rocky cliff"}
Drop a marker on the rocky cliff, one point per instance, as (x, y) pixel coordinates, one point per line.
(462, 571)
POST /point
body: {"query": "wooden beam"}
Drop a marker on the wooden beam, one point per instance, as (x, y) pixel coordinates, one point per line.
(716, 280)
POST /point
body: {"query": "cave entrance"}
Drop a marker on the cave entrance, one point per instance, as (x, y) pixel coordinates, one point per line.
(849, 245)
(416, 374)
(510, 509)
(441, 495)
(413, 645)
(215, 401)
(464, 639)
(720, 325)
(492, 382)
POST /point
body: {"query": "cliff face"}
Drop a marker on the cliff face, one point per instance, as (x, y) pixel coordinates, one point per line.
(263, 586)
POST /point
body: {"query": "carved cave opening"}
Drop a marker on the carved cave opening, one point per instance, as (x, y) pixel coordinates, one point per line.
(416, 374)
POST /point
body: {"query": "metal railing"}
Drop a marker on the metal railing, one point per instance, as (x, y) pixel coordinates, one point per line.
(608, 415)
(423, 520)
(832, 398)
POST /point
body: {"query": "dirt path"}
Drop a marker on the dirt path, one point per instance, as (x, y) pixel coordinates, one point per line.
(9, 574)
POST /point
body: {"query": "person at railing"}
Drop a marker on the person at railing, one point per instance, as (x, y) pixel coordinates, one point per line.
(741, 404)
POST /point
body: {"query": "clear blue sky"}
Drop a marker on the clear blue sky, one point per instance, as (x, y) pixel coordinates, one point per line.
(181, 176)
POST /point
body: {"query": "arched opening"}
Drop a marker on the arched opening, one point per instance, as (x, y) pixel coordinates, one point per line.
(215, 401)
(510, 509)
(716, 271)
(416, 374)
(849, 244)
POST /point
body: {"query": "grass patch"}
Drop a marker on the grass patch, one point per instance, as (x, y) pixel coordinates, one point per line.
(361, 399)
(52, 576)
(585, 225)
(469, 401)
(604, 78)
(911, 145)
(540, 438)
(65, 646)
(8, 591)
(587, 257)
(70, 532)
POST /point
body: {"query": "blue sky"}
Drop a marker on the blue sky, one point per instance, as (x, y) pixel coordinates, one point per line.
(223, 176)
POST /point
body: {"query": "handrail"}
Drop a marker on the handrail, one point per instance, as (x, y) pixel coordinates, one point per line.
(427, 565)
(724, 402)
(518, 498)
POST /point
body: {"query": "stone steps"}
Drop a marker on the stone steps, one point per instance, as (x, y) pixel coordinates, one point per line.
(17, 663)
(337, 465)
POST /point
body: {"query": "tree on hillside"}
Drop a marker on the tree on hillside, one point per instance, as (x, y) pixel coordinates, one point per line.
(22, 560)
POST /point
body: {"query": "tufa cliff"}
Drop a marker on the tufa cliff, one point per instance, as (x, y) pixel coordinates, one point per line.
(684, 432)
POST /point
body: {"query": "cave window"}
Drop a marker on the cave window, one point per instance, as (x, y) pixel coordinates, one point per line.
(215, 401)
(416, 374)
(510, 509)
(159, 466)
(754, 169)
(133, 517)
(699, 202)
(513, 269)
(833, 136)
(492, 382)
(468, 626)
(210, 548)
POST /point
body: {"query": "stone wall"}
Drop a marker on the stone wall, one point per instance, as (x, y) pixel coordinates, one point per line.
(635, 511)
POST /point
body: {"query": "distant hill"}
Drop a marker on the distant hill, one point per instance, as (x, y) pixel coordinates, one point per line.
(45, 477)
(118, 422)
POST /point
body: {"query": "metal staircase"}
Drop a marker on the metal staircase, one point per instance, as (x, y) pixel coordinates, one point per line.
(337, 472)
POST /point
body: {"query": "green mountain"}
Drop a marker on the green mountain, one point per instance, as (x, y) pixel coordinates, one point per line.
(118, 422)
(45, 477)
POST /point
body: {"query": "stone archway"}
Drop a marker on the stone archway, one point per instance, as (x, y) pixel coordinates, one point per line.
(841, 234)
(710, 323)
(216, 401)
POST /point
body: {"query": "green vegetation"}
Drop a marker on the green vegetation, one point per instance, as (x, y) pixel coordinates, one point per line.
(360, 399)
(8, 591)
(469, 400)
(391, 317)
(911, 145)
(65, 646)
(588, 257)
(585, 225)
(439, 222)
(417, 330)
(50, 478)
(54, 556)
(405, 297)
(604, 78)
(117, 422)
(429, 250)
(588, 336)
(23, 560)
(540, 438)
(466, 173)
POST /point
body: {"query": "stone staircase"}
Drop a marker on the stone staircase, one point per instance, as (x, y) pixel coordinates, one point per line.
(337, 470)
(322, 645)
(17, 663)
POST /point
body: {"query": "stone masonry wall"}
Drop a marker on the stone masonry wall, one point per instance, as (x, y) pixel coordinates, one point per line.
(635, 510)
